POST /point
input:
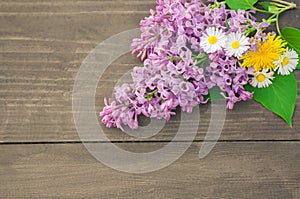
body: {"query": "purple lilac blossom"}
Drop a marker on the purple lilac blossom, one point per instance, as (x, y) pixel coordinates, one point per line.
(170, 76)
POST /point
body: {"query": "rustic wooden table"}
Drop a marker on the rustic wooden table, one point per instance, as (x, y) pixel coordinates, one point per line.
(42, 45)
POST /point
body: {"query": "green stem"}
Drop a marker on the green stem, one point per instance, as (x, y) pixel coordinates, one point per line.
(259, 10)
(292, 6)
(152, 92)
(277, 24)
(217, 4)
(149, 95)
(174, 58)
(282, 6)
(285, 3)
(278, 5)
(249, 31)
(273, 17)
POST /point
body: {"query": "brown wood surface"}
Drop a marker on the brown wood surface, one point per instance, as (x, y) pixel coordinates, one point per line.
(232, 170)
(42, 45)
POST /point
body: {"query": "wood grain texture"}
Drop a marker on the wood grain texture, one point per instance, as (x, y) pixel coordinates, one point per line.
(232, 170)
(42, 45)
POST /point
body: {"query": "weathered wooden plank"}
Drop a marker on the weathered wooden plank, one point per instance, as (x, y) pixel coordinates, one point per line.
(231, 170)
(41, 92)
(37, 106)
(39, 6)
(40, 57)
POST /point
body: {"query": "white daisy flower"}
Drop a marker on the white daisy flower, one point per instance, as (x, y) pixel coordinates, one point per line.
(287, 62)
(262, 79)
(213, 40)
(236, 44)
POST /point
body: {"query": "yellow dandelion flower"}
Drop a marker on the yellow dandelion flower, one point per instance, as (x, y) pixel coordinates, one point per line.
(265, 55)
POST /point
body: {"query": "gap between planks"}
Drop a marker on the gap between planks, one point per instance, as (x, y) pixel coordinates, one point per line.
(146, 141)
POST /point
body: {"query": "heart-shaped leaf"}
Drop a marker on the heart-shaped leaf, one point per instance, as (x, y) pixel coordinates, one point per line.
(292, 36)
(279, 97)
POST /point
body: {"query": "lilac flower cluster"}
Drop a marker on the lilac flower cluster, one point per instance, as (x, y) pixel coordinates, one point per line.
(177, 71)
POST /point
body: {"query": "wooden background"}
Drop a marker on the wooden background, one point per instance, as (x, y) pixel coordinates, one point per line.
(42, 45)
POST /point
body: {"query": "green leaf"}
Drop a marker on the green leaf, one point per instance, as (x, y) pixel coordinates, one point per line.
(202, 60)
(292, 36)
(298, 52)
(265, 5)
(269, 7)
(241, 4)
(273, 9)
(279, 97)
(214, 94)
(298, 65)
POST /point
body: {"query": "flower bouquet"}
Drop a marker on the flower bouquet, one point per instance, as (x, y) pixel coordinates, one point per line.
(194, 53)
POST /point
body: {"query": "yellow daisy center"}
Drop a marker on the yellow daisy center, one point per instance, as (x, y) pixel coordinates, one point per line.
(236, 44)
(261, 78)
(212, 39)
(267, 53)
(285, 61)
